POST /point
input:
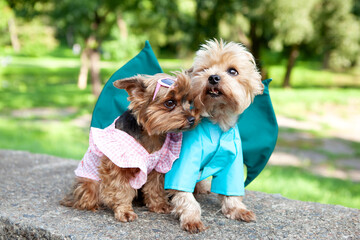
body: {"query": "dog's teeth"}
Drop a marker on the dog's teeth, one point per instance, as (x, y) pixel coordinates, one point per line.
(214, 91)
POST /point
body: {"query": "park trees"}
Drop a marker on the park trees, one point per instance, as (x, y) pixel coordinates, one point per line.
(11, 12)
(338, 33)
(292, 26)
(98, 23)
(326, 29)
(255, 12)
(7, 21)
(89, 24)
(329, 27)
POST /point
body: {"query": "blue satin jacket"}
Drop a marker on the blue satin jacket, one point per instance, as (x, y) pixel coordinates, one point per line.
(208, 151)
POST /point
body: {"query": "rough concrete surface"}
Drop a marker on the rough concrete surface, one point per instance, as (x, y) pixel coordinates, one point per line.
(31, 186)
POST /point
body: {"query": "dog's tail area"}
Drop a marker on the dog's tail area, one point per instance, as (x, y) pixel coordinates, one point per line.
(68, 200)
(84, 195)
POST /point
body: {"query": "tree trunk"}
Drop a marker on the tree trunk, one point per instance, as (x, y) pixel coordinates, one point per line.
(70, 36)
(84, 69)
(95, 71)
(90, 60)
(13, 35)
(198, 31)
(294, 53)
(255, 49)
(122, 27)
(255, 42)
(326, 59)
(244, 39)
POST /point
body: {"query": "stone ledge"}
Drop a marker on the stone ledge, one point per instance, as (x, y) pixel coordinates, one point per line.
(31, 186)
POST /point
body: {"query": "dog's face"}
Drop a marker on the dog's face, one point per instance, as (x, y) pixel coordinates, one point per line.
(225, 81)
(168, 111)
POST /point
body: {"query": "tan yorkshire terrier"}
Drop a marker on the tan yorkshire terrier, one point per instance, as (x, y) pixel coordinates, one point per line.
(225, 81)
(137, 149)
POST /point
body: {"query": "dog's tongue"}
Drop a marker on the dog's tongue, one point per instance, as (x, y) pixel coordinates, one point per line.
(214, 90)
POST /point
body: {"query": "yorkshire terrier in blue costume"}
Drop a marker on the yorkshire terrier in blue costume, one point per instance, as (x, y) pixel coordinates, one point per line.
(225, 81)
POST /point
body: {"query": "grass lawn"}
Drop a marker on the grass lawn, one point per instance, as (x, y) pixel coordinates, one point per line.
(44, 136)
(296, 183)
(48, 85)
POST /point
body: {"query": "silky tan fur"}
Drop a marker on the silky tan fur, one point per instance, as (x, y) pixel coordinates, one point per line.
(235, 94)
(148, 121)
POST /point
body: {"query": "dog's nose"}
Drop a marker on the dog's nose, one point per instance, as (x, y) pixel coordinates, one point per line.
(191, 120)
(214, 79)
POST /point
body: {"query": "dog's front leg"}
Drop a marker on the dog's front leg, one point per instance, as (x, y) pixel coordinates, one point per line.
(203, 187)
(188, 210)
(155, 196)
(116, 191)
(234, 208)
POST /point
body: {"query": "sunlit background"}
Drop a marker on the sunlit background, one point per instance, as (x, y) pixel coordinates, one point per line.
(55, 56)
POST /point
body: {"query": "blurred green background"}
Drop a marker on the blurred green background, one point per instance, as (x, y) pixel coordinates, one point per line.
(55, 56)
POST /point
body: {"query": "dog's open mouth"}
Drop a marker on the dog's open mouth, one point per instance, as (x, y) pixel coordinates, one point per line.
(214, 92)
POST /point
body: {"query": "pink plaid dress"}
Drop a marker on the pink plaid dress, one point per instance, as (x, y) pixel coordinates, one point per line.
(124, 151)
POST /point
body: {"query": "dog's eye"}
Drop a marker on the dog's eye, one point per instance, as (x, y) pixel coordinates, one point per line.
(170, 104)
(232, 71)
(191, 105)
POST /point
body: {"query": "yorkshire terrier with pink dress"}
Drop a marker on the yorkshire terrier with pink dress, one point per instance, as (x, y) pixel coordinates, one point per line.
(135, 151)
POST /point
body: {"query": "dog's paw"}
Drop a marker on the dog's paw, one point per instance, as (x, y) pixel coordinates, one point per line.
(127, 216)
(193, 226)
(161, 208)
(241, 214)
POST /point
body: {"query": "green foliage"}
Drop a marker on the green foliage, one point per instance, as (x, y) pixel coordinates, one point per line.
(167, 24)
(118, 48)
(36, 39)
(338, 33)
(291, 22)
(28, 9)
(348, 44)
(329, 28)
(6, 13)
(80, 19)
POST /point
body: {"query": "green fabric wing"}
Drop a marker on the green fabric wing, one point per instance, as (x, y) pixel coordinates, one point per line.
(258, 130)
(113, 102)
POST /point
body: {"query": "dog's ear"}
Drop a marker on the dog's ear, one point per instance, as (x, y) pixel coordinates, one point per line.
(189, 71)
(133, 85)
